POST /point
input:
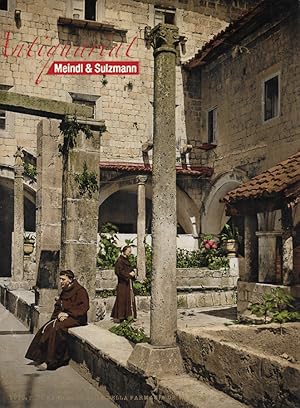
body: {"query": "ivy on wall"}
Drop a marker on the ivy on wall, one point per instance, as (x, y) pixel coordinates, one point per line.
(87, 182)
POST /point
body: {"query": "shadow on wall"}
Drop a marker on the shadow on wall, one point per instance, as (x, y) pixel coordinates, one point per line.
(5, 401)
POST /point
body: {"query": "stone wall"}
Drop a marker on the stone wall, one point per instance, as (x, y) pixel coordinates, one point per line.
(127, 112)
(196, 287)
(256, 379)
(252, 292)
(186, 278)
(234, 84)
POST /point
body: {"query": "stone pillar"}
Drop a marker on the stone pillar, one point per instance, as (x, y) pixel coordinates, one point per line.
(80, 215)
(250, 273)
(17, 279)
(48, 216)
(162, 357)
(267, 256)
(141, 227)
(287, 246)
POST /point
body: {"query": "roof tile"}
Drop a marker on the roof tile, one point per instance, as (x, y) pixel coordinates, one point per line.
(272, 181)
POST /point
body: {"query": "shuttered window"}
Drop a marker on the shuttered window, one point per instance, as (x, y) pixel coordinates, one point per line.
(271, 98)
(212, 126)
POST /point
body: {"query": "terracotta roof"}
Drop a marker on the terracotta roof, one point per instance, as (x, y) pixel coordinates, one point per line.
(283, 179)
(142, 168)
(227, 38)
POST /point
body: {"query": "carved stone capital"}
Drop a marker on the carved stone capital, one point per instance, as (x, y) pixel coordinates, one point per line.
(19, 156)
(141, 179)
(18, 167)
(163, 37)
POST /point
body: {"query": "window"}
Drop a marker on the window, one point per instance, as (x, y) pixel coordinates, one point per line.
(84, 99)
(90, 10)
(84, 9)
(271, 98)
(4, 5)
(164, 16)
(2, 119)
(6, 117)
(212, 126)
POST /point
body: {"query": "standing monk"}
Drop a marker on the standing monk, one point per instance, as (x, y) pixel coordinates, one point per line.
(124, 306)
(49, 348)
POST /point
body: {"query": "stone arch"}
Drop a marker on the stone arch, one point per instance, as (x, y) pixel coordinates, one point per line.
(30, 186)
(187, 211)
(213, 215)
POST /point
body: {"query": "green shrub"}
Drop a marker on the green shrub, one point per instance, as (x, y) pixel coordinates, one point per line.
(30, 170)
(148, 255)
(105, 293)
(276, 307)
(109, 250)
(190, 259)
(133, 334)
(142, 288)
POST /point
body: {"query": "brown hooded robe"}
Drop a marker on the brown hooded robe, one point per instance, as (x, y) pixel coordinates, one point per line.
(124, 306)
(50, 342)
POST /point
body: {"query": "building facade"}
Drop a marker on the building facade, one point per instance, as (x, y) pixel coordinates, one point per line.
(242, 94)
(36, 33)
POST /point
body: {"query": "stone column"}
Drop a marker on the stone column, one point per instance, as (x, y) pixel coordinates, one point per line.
(48, 216)
(287, 246)
(267, 256)
(162, 357)
(250, 273)
(17, 279)
(141, 227)
(80, 215)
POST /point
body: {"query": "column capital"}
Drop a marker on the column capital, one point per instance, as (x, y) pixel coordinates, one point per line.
(18, 167)
(19, 156)
(163, 37)
(141, 179)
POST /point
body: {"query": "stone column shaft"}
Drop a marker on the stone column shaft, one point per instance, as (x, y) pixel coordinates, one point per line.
(287, 246)
(162, 357)
(267, 256)
(163, 319)
(80, 214)
(141, 227)
(18, 249)
(250, 273)
(48, 216)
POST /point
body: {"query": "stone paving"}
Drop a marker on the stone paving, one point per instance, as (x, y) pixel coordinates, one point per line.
(217, 317)
(23, 386)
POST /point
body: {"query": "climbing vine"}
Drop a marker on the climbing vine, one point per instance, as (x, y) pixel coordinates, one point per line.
(70, 128)
(87, 181)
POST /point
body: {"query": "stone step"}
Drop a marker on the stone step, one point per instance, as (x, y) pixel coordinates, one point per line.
(184, 391)
(205, 298)
(97, 348)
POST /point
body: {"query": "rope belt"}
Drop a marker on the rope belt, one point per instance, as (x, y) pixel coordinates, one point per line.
(54, 321)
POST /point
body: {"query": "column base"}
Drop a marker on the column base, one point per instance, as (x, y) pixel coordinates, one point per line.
(155, 361)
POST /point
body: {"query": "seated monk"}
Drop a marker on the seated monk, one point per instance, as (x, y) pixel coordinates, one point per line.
(49, 348)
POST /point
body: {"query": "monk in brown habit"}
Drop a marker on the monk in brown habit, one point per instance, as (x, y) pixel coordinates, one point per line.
(124, 306)
(49, 348)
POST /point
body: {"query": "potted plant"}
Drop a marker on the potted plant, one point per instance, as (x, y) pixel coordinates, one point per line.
(29, 241)
(230, 238)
